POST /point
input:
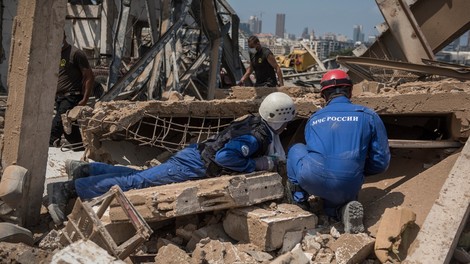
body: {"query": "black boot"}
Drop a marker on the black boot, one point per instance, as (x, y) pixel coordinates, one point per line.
(76, 169)
(59, 194)
(352, 215)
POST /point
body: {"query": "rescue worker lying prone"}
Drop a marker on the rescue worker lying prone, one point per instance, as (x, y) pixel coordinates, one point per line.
(247, 145)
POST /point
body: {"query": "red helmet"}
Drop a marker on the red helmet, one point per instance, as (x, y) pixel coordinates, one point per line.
(335, 78)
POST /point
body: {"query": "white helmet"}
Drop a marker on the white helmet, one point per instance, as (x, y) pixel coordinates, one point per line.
(277, 108)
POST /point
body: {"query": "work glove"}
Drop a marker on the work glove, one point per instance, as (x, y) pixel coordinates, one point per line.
(266, 163)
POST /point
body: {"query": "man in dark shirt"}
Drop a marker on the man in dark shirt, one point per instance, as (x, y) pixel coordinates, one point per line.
(74, 87)
(263, 63)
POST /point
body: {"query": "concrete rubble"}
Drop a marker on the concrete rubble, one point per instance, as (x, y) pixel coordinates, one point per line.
(391, 233)
(269, 229)
(179, 199)
(83, 252)
(232, 218)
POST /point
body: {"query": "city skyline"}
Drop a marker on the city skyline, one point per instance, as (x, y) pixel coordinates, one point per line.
(313, 14)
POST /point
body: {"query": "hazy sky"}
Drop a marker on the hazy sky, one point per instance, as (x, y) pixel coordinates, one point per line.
(337, 16)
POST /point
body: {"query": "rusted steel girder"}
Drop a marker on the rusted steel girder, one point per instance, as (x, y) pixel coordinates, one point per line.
(405, 30)
(461, 74)
(441, 21)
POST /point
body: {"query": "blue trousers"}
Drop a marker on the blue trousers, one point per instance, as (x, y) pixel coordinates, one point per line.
(308, 170)
(184, 165)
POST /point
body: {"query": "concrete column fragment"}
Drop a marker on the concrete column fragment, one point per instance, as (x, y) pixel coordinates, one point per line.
(191, 197)
(32, 81)
(264, 228)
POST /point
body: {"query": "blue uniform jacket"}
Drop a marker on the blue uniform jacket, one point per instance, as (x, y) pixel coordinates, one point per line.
(347, 140)
(238, 154)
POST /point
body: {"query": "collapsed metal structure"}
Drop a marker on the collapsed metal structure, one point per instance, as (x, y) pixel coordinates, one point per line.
(414, 30)
(179, 45)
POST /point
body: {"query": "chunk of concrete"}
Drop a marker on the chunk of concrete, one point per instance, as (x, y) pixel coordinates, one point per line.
(191, 197)
(15, 234)
(172, 254)
(267, 228)
(393, 223)
(291, 239)
(352, 248)
(215, 231)
(12, 184)
(214, 251)
(260, 256)
(83, 252)
(296, 255)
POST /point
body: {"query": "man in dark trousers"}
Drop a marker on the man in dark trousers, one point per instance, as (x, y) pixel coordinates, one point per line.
(247, 145)
(263, 63)
(74, 87)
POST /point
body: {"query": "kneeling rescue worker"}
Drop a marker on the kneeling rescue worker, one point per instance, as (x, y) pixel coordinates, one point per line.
(344, 143)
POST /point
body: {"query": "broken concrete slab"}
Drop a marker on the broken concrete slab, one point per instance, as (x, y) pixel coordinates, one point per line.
(82, 252)
(191, 197)
(441, 230)
(15, 234)
(352, 248)
(265, 228)
(214, 231)
(172, 254)
(295, 256)
(214, 251)
(389, 236)
(291, 239)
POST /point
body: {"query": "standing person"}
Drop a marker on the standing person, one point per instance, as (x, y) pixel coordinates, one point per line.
(247, 145)
(345, 142)
(74, 87)
(263, 63)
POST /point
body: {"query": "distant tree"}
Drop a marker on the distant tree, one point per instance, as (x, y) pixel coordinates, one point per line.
(345, 52)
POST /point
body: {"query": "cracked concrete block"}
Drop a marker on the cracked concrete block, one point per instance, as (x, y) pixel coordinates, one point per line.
(82, 252)
(393, 223)
(191, 197)
(214, 251)
(352, 248)
(266, 228)
(172, 254)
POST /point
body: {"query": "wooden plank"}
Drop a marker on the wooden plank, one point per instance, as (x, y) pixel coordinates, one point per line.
(37, 38)
(439, 235)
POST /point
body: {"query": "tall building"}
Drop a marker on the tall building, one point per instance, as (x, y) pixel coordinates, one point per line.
(255, 25)
(280, 25)
(305, 33)
(245, 28)
(358, 35)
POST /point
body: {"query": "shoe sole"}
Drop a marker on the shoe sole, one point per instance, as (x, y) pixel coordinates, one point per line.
(352, 218)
